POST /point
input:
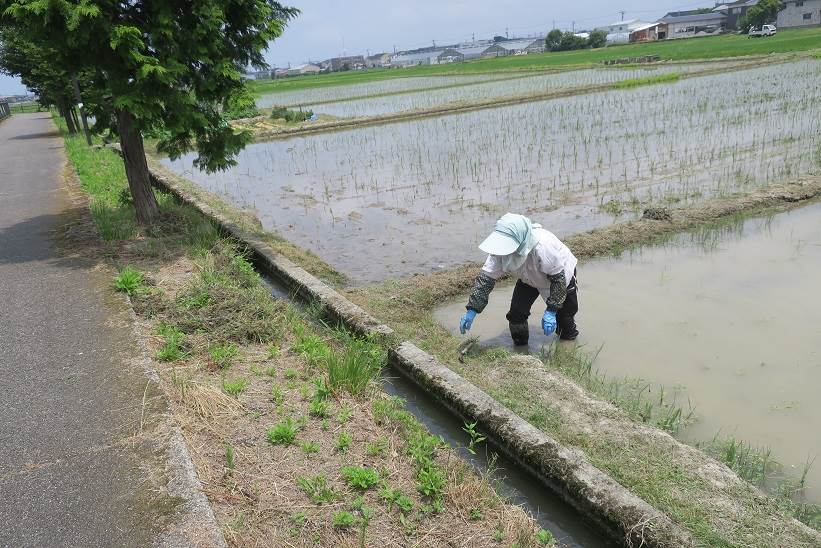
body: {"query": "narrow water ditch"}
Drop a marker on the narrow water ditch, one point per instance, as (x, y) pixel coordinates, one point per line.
(517, 485)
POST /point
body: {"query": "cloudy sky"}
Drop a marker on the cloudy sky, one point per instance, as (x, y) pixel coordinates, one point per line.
(328, 28)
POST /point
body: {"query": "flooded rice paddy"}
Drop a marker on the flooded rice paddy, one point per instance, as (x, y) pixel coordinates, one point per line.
(416, 196)
(497, 89)
(731, 318)
(392, 85)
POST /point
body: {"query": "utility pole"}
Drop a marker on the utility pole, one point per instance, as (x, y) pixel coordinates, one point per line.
(79, 100)
(574, 27)
(507, 34)
(434, 44)
(554, 23)
(473, 37)
(622, 15)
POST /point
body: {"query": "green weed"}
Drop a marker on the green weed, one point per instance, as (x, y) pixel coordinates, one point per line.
(377, 447)
(648, 81)
(311, 348)
(342, 519)
(229, 456)
(318, 408)
(222, 355)
(545, 537)
(475, 437)
(129, 280)
(234, 387)
(276, 395)
(283, 433)
(360, 477)
(353, 369)
(430, 481)
(172, 349)
(317, 489)
(343, 441)
(309, 447)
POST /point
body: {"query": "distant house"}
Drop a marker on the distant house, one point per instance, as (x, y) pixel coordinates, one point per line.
(799, 14)
(280, 72)
(649, 33)
(412, 59)
(378, 60)
(307, 68)
(619, 32)
(734, 11)
(688, 24)
(450, 55)
(529, 45)
(351, 62)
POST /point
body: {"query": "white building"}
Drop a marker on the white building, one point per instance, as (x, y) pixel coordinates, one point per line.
(689, 25)
(430, 57)
(619, 32)
(307, 68)
(799, 14)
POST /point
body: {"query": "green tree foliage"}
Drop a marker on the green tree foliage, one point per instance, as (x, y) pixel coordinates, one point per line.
(170, 68)
(570, 41)
(554, 37)
(597, 39)
(766, 11)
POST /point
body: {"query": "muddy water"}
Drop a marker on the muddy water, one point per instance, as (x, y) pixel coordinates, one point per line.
(732, 317)
(412, 197)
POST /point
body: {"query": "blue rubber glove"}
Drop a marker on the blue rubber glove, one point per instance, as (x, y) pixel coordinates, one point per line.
(467, 321)
(549, 322)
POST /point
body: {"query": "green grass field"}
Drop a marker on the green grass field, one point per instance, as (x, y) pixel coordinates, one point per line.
(728, 45)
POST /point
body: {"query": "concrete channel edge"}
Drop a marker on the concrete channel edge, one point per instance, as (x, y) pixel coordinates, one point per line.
(618, 512)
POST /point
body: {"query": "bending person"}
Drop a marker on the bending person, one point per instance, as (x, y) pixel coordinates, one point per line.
(543, 265)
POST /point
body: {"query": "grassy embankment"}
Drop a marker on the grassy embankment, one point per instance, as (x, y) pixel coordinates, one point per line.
(712, 47)
(292, 437)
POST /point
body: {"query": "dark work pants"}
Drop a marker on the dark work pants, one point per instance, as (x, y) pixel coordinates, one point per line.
(523, 298)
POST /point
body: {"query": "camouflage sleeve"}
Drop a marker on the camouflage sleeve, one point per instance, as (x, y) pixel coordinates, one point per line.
(482, 287)
(558, 291)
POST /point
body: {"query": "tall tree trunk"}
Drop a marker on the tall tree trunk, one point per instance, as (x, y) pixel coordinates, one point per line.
(64, 111)
(136, 169)
(75, 118)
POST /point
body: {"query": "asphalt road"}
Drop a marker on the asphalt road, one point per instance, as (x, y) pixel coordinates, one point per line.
(70, 405)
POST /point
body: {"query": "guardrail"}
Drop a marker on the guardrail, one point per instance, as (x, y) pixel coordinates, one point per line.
(5, 111)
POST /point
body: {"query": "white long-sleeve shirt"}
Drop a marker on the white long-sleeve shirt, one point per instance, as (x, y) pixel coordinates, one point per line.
(548, 258)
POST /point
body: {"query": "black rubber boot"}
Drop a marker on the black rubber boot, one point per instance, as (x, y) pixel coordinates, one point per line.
(520, 332)
(567, 332)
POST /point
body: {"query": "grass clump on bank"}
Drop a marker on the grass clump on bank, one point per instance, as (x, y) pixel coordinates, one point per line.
(648, 81)
(281, 411)
(291, 116)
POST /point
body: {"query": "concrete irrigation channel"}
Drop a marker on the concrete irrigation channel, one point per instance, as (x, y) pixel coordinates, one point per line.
(614, 510)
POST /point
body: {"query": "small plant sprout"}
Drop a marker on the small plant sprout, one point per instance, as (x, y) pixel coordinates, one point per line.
(475, 437)
(360, 477)
(129, 280)
(272, 351)
(318, 408)
(229, 456)
(309, 447)
(298, 518)
(283, 433)
(276, 395)
(476, 514)
(234, 387)
(545, 537)
(172, 348)
(317, 489)
(222, 355)
(377, 447)
(431, 481)
(291, 373)
(342, 519)
(343, 441)
(344, 414)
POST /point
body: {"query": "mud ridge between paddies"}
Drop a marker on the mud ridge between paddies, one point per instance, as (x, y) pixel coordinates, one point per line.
(261, 134)
(704, 496)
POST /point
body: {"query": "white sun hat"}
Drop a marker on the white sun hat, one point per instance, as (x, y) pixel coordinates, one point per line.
(499, 244)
